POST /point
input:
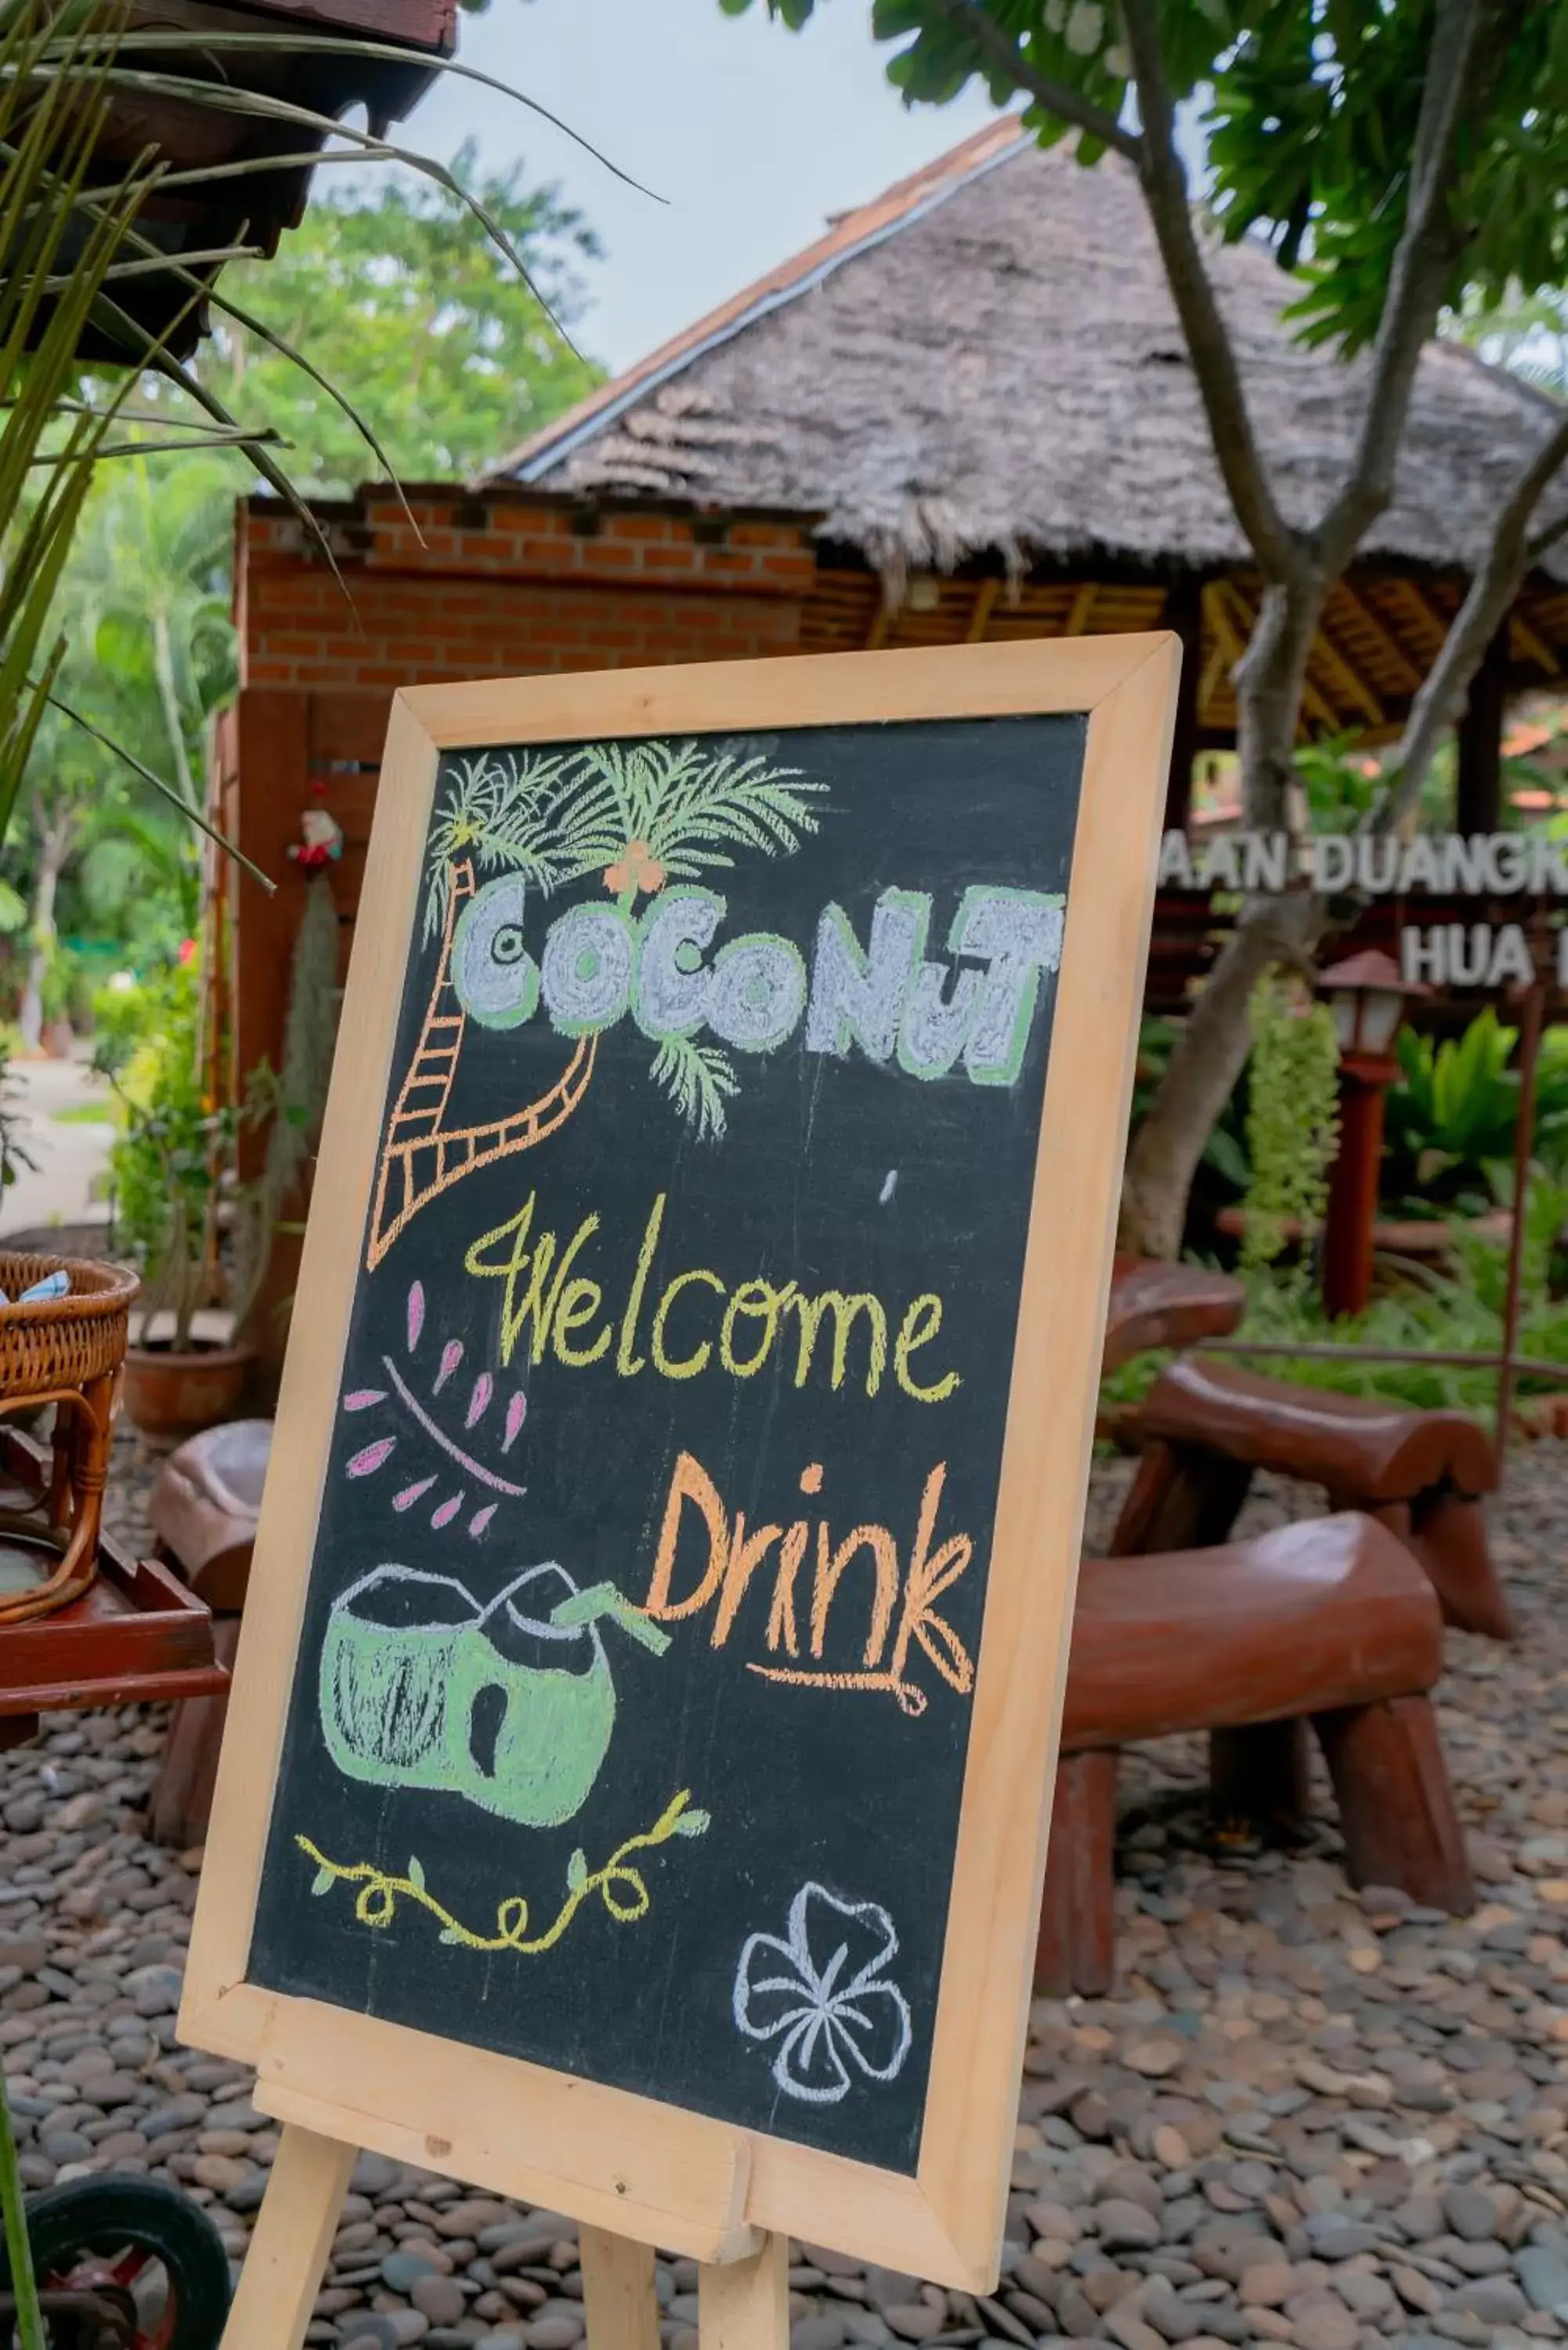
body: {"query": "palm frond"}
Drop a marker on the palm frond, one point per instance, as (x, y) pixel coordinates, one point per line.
(707, 803)
(497, 811)
(699, 1079)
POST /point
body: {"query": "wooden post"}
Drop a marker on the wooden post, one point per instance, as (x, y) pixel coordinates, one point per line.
(619, 2296)
(294, 2232)
(1353, 1197)
(1524, 1145)
(1184, 615)
(1478, 799)
(744, 2306)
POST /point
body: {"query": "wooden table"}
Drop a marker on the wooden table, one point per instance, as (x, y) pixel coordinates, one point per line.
(135, 1634)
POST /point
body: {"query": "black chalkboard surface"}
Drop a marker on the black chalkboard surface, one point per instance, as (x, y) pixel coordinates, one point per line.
(629, 1717)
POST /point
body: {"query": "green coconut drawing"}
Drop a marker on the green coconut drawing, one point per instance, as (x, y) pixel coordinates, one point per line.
(511, 1707)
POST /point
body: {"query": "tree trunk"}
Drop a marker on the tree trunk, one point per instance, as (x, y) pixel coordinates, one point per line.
(52, 849)
(1211, 1051)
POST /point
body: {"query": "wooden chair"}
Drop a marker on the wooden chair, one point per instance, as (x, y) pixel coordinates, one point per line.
(1329, 1620)
(203, 1510)
(1205, 1427)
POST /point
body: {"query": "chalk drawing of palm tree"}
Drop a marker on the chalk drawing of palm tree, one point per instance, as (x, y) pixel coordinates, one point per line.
(638, 816)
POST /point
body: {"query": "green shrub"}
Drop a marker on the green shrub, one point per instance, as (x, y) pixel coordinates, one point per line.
(169, 1165)
(1457, 1313)
(1293, 1123)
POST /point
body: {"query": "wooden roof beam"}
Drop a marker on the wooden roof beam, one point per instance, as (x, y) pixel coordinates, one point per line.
(1534, 645)
(1431, 624)
(980, 610)
(1082, 605)
(1382, 634)
(1218, 666)
(1345, 675)
(1311, 696)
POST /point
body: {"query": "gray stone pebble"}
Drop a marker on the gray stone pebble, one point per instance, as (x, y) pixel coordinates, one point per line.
(1307, 2115)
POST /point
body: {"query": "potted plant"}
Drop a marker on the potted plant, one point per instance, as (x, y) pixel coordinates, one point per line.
(168, 1168)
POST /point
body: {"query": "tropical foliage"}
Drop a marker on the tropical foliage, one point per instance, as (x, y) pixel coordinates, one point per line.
(1459, 1310)
(1450, 1119)
(1405, 160)
(49, 441)
(449, 357)
(446, 352)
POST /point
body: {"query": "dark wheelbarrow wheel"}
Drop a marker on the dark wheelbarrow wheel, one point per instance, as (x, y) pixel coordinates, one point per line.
(126, 2263)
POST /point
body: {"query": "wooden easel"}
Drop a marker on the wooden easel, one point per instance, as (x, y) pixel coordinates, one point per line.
(635, 2169)
(743, 2301)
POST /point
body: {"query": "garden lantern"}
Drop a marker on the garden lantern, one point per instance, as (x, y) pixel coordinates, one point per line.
(1366, 996)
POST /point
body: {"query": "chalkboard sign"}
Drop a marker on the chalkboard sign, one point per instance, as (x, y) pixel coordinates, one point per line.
(668, 1543)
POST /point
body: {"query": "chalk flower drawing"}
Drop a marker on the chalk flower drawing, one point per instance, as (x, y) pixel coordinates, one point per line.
(822, 1993)
(622, 1888)
(423, 1426)
(636, 816)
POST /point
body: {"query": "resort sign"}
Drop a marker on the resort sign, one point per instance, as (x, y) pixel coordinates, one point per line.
(1490, 865)
(635, 1780)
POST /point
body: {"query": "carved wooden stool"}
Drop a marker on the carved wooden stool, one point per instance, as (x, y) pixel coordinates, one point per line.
(203, 1510)
(1329, 1620)
(1205, 1427)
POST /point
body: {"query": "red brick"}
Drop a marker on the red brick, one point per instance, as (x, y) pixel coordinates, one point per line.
(638, 525)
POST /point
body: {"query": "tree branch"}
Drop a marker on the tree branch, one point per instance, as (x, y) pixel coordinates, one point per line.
(1456, 79)
(1478, 620)
(973, 18)
(1164, 180)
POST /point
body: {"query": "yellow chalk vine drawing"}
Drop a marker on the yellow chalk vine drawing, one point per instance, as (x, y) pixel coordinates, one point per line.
(623, 1891)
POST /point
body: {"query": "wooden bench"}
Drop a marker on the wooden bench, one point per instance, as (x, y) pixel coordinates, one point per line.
(1330, 1620)
(203, 1510)
(1206, 1426)
(1156, 1305)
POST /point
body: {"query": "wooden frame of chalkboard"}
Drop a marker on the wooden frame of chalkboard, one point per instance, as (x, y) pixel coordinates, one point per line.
(626, 2165)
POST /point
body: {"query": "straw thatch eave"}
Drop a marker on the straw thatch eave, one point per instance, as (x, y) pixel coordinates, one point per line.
(986, 364)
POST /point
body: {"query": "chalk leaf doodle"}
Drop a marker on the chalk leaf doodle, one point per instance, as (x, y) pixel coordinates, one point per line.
(821, 1992)
(637, 817)
(509, 1706)
(423, 1426)
(622, 1888)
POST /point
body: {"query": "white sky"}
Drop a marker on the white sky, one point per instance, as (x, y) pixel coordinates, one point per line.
(753, 133)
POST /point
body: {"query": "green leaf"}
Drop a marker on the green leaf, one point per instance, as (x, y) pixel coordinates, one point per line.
(577, 1871)
(447, 1934)
(323, 1881)
(416, 1875)
(693, 1824)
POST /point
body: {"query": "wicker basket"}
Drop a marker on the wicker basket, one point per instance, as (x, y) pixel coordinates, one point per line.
(62, 1342)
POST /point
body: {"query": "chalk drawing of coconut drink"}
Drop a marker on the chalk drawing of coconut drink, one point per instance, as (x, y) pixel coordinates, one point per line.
(511, 1706)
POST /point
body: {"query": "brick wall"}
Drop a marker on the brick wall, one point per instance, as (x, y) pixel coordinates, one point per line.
(504, 586)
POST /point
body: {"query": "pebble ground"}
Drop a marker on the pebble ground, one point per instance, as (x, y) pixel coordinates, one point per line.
(1306, 2116)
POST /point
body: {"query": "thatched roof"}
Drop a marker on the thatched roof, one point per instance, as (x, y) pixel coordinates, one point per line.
(986, 361)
